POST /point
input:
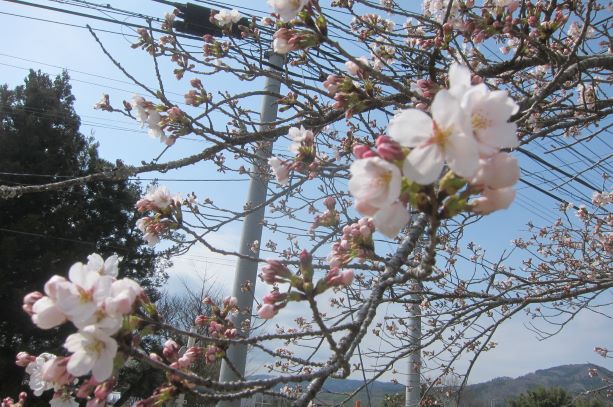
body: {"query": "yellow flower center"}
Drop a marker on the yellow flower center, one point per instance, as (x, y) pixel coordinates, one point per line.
(440, 136)
(96, 347)
(85, 296)
(480, 122)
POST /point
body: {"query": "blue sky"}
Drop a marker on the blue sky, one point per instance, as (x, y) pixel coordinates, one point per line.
(52, 47)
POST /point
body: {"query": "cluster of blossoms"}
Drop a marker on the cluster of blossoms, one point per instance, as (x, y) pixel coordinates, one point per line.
(356, 243)
(305, 160)
(9, 402)
(301, 284)
(167, 212)
(96, 302)
(330, 217)
(467, 129)
(174, 122)
(227, 17)
(198, 95)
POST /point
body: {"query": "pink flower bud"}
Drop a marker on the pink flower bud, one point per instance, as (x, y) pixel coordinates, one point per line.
(174, 113)
(492, 200)
(498, 171)
(388, 149)
(275, 272)
(171, 350)
(207, 301)
(156, 357)
(24, 359)
(23, 396)
(55, 370)
(103, 390)
(230, 302)
(330, 202)
(362, 151)
(29, 300)
(338, 278)
(196, 83)
(201, 320)
(267, 311)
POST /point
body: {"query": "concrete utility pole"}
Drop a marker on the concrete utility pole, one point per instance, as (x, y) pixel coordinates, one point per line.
(196, 21)
(413, 389)
(246, 270)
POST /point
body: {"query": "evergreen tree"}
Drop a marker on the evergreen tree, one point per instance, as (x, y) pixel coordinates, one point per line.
(43, 234)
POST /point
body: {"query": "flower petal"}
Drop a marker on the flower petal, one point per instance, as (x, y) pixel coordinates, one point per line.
(462, 155)
(410, 127)
(424, 164)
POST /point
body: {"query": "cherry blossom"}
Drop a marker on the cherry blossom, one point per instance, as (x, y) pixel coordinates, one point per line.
(498, 171)
(374, 183)
(93, 351)
(444, 138)
(299, 136)
(391, 219)
(489, 114)
(108, 267)
(35, 370)
(45, 312)
(492, 200)
(287, 9)
(226, 17)
(280, 169)
(63, 400)
(79, 299)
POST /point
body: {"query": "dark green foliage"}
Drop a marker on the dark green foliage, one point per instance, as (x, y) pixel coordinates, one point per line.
(552, 397)
(543, 397)
(42, 234)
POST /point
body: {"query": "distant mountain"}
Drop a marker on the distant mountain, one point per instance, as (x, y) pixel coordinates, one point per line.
(494, 393)
(572, 378)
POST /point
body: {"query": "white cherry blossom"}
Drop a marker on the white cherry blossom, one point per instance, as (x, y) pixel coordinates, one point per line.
(93, 350)
(225, 17)
(488, 111)
(108, 267)
(79, 299)
(498, 171)
(299, 135)
(287, 9)
(280, 170)
(444, 138)
(375, 183)
(45, 312)
(391, 219)
(35, 370)
(63, 400)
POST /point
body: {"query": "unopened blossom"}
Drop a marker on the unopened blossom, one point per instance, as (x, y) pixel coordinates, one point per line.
(267, 311)
(498, 171)
(35, 370)
(226, 17)
(46, 313)
(444, 138)
(281, 43)
(92, 351)
(336, 277)
(29, 300)
(230, 302)
(55, 371)
(287, 9)
(374, 183)
(24, 359)
(275, 272)
(492, 200)
(280, 169)
(123, 294)
(332, 83)
(355, 69)
(390, 219)
(170, 350)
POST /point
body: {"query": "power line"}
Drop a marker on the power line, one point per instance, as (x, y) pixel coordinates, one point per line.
(133, 178)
